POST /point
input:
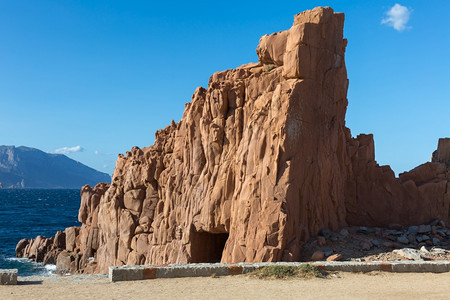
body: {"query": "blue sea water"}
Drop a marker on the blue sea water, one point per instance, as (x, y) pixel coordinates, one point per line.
(27, 213)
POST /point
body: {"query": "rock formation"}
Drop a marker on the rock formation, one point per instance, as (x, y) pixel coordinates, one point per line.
(442, 154)
(260, 162)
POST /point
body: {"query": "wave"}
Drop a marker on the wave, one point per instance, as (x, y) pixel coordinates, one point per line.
(50, 268)
(28, 267)
(18, 259)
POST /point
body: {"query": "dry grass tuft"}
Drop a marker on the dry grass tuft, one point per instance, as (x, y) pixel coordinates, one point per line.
(284, 272)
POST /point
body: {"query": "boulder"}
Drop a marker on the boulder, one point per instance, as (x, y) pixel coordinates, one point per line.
(60, 240)
(21, 247)
(318, 255)
(71, 234)
(64, 262)
(334, 257)
(409, 253)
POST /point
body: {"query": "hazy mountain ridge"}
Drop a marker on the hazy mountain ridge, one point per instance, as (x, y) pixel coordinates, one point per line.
(25, 167)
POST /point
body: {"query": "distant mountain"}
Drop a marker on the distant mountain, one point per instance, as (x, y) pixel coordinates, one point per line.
(24, 167)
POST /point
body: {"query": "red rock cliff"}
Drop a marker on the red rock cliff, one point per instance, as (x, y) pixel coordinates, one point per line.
(256, 165)
(260, 162)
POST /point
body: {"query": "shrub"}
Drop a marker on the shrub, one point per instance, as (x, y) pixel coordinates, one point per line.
(281, 272)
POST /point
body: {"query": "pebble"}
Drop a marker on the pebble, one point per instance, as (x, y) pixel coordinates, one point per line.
(434, 222)
(343, 232)
(423, 249)
(391, 237)
(413, 229)
(437, 251)
(371, 230)
(436, 242)
(392, 245)
(376, 243)
(425, 237)
(419, 238)
(442, 233)
(393, 232)
(388, 245)
(412, 238)
(334, 257)
(366, 245)
(321, 240)
(403, 239)
(328, 252)
(318, 255)
(433, 229)
(378, 232)
(325, 233)
(363, 229)
(424, 229)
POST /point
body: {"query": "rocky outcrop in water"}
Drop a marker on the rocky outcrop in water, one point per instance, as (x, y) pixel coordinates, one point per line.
(72, 249)
(260, 162)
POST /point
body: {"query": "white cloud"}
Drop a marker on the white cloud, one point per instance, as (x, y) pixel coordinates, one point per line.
(397, 17)
(67, 150)
(103, 154)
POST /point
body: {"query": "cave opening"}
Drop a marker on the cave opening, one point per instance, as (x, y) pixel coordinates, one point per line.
(207, 247)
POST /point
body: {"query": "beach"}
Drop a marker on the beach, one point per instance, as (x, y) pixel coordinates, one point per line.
(374, 285)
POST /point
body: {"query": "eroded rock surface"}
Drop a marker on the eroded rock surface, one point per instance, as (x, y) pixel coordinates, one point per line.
(260, 162)
(442, 154)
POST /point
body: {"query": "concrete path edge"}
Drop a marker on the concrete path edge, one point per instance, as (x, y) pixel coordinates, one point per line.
(141, 272)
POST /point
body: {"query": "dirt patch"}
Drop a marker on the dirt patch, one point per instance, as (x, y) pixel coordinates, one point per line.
(348, 286)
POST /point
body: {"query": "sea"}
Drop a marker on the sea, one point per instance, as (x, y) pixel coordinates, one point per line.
(27, 213)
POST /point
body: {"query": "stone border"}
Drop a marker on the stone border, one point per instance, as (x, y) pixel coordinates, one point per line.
(141, 272)
(8, 276)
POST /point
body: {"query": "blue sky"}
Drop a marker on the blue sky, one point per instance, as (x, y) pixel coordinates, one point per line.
(95, 78)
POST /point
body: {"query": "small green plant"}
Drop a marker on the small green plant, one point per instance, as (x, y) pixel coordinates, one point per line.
(282, 272)
(308, 270)
(270, 68)
(276, 272)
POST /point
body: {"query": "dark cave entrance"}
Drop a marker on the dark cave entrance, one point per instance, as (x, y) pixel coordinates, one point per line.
(207, 247)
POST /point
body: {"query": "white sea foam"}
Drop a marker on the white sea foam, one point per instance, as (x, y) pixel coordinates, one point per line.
(50, 268)
(36, 268)
(20, 260)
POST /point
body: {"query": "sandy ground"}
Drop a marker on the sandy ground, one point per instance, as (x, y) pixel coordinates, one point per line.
(342, 286)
